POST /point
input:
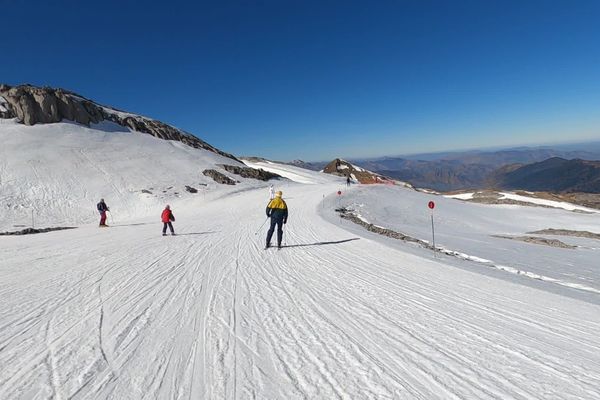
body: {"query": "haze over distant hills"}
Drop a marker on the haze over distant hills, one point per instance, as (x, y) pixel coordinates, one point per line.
(555, 174)
(511, 155)
(447, 171)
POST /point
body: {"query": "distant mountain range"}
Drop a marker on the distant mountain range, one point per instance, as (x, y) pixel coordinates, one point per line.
(554, 174)
(515, 155)
(502, 169)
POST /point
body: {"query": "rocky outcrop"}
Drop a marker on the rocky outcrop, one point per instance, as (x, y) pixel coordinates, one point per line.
(32, 105)
(36, 105)
(344, 168)
(31, 231)
(538, 240)
(218, 177)
(252, 173)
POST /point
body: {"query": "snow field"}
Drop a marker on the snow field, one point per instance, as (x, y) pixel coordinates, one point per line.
(338, 313)
(465, 230)
(293, 173)
(60, 171)
(125, 313)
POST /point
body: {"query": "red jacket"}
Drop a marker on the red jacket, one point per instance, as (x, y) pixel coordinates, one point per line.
(167, 216)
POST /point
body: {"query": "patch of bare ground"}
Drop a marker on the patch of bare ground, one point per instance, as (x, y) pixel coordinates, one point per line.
(538, 240)
(567, 232)
(31, 231)
(351, 216)
(495, 199)
(590, 200)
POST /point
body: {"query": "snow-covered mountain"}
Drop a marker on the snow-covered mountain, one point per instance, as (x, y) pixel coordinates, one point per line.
(32, 105)
(344, 168)
(355, 305)
(54, 172)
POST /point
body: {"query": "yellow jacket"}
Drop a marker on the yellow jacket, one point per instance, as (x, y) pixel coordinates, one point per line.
(277, 203)
(277, 210)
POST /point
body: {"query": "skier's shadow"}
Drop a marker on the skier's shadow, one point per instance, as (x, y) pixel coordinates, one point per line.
(196, 233)
(136, 224)
(320, 243)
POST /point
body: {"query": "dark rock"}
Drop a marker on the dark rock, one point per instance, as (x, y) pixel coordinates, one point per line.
(30, 231)
(252, 173)
(191, 189)
(218, 177)
(344, 168)
(146, 191)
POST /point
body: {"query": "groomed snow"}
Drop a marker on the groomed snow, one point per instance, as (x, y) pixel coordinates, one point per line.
(338, 313)
(293, 173)
(125, 313)
(60, 171)
(466, 230)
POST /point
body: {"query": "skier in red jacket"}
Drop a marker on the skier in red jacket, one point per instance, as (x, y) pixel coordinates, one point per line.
(166, 217)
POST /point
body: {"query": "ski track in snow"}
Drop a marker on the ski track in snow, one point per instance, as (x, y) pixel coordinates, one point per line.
(126, 313)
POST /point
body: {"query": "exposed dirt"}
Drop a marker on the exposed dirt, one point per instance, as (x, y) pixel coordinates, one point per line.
(31, 231)
(567, 232)
(538, 240)
(351, 216)
(218, 177)
(247, 172)
(589, 200)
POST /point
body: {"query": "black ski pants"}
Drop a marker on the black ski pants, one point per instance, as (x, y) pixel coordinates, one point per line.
(275, 221)
(170, 225)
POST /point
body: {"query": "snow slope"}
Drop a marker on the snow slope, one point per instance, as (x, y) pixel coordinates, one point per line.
(467, 229)
(293, 173)
(60, 171)
(125, 313)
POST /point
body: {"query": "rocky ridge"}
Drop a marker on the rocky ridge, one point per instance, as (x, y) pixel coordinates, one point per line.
(341, 167)
(32, 105)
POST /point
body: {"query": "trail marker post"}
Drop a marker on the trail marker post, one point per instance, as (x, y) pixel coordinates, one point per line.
(431, 206)
(339, 193)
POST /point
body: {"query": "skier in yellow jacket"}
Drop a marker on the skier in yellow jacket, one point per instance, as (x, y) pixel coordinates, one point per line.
(278, 212)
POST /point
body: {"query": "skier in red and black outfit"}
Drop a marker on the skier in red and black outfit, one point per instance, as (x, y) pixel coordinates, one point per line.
(166, 217)
(102, 209)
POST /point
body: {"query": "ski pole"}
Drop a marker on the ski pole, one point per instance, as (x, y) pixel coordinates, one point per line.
(264, 222)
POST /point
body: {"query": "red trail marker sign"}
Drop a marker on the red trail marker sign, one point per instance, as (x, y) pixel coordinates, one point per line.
(431, 206)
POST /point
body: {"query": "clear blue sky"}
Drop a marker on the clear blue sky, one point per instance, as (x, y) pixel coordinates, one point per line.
(316, 80)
